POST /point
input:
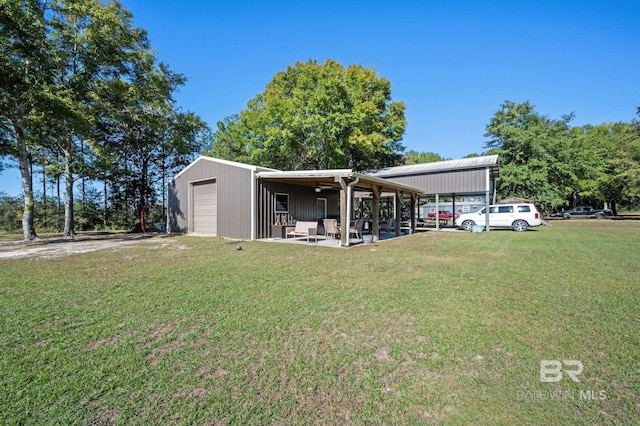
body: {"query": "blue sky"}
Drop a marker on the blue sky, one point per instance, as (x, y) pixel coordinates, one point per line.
(452, 62)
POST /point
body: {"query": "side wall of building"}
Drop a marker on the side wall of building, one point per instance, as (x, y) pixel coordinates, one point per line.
(233, 198)
(450, 182)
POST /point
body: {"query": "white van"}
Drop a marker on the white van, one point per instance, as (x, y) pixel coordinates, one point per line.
(518, 217)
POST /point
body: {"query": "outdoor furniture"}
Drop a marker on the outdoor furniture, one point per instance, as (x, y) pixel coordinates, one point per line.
(357, 228)
(303, 229)
(331, 228)
(388, 226)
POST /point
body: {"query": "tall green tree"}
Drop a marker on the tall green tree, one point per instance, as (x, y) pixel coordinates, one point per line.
(93, 42)
(25, 75)
(229, 142)
(619, 179)
(142, 136)
(318, 116)
(590, 153)
(535, 159)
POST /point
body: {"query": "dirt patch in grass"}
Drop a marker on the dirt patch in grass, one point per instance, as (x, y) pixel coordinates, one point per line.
(163, 339)
(47, 248)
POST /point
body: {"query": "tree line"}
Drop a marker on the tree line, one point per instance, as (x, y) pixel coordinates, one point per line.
(558, 165)
(84, 99)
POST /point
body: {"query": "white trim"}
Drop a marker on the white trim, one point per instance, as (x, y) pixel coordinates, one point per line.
(275, 203)
(487, 200)
(254, 213)
(304, 173)
(225, 162)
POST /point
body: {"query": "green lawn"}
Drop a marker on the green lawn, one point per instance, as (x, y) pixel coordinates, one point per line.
(433, 328)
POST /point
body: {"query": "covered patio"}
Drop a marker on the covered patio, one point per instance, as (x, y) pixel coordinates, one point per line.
(323, 241)
(347, 182)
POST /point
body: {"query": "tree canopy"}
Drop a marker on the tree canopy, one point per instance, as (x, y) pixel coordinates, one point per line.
(415, 157)
(555, 164)
(317, 116)
(83, 96)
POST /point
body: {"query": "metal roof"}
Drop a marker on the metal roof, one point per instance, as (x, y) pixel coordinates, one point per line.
(442, 166)
(330, 179)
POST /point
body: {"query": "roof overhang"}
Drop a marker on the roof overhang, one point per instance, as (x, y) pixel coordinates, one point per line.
(331, 179)
(492, 162)
(225, 162)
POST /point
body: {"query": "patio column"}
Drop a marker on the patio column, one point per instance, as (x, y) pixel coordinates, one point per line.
(375, 213)
(344, 218)
(398, 212)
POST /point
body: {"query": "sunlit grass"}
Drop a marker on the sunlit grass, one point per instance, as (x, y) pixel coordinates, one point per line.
(438, 327)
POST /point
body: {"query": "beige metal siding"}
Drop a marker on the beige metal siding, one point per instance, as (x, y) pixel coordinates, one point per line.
(233, 198)
(234, 202)
(455, 182)
(205, 204)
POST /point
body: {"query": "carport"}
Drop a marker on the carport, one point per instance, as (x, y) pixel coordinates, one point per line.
(473, 176)
(347, 182)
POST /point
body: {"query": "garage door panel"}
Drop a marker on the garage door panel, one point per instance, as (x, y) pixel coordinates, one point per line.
(205, 202)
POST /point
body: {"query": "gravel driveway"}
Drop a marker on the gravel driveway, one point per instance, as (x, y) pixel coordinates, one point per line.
(57, 247)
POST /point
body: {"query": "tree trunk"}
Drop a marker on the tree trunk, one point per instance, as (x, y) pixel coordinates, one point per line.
(84, 189)
(24, 164)
(58, 206)
(44, 194)
(104, 193)
(68, 205)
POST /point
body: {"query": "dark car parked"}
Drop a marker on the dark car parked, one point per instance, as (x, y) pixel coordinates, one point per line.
(586, 211)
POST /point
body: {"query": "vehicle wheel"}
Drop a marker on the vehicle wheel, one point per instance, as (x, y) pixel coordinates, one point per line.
(520, 225)
(566, 216)
(467, 224)
(599, 215)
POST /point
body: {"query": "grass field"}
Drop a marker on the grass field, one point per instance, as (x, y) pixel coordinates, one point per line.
(433, 328)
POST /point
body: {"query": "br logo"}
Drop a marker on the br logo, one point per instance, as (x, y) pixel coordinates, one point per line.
(551, 370)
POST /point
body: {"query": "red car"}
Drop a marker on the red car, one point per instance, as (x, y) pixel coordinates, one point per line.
(444, 214)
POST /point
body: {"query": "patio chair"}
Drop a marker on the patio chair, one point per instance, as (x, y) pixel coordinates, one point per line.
(357, 228)
(388, 226)
(331, 228)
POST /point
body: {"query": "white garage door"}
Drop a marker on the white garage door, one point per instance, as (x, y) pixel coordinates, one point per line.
(204, 208)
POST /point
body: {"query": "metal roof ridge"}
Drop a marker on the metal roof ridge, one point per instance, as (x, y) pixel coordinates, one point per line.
(460, 163)
(302, 173)
(226, 162)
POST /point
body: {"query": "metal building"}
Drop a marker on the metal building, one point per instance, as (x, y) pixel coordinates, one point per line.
(213, 197)
(236, 200)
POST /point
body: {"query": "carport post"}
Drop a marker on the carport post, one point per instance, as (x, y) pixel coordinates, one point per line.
(437, 211)
(413, 213)
(453, 209)
(487, 199)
